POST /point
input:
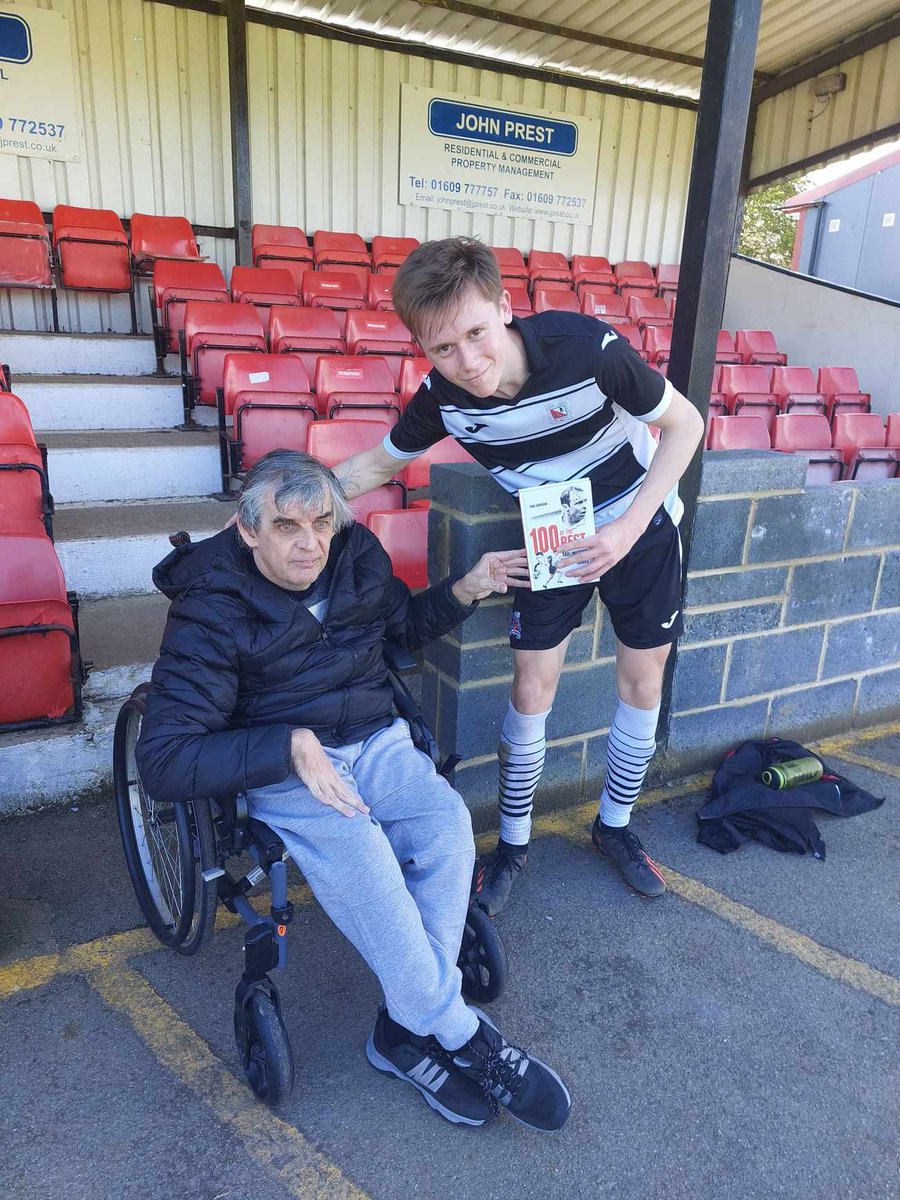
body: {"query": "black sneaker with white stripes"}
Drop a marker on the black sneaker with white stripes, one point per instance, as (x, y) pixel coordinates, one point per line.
(423, 1062)
(527, 1088)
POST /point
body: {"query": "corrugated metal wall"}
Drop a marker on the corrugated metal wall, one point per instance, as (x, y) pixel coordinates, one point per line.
(324, 141)
(785, 134)
(325, 129)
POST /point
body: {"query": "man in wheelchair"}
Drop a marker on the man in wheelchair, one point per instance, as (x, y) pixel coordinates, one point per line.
(271, 682)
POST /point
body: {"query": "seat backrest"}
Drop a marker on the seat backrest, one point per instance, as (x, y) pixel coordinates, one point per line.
(591, 264)
(392, 247)
(646, 305)
(738, 433)
(349, 373)
(519, 298)
(598, 302)
(633, 266)
(230, 320)
(371, 325)
(658, 339)
(15, 423)
(328, 239)
(412, 372)
(801, 431)
(548, 259)
(667, 274)
(170, 236)
(379, 292)
(736, 377)
(30, 572)
(833, 380)
(509, 256)
(326, 287)
(262, 373)
(69, 216)
(190, 276)
(404, 535)
(270, 281)
(333, 441)
(858, 429)
(724, 342)
(755, 341)
(797, 381)
(548, 298)
(22, 212)
(447, 450)
(892, 430)
(319, 326)
(632, 334)
(278, 235)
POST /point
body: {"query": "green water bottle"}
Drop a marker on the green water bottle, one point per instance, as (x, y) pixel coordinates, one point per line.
(793, 773)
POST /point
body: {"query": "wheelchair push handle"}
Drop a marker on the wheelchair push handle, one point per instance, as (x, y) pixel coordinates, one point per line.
(180, 539)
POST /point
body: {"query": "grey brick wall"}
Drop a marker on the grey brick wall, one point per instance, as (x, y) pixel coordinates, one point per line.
(792, 625)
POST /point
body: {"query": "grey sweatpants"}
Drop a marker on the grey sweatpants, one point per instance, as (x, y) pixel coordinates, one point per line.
(396, 882)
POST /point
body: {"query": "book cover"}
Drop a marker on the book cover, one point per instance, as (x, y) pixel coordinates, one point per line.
(555, 517)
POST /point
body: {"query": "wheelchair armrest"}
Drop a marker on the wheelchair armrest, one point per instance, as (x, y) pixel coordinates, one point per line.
(398, 659)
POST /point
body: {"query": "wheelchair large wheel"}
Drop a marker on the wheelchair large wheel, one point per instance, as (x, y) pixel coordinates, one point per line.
(263, 1046)
(167, 846)
(482, 958)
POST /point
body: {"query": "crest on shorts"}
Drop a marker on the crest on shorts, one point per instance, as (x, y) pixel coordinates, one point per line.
(558, 411)
(515, 625)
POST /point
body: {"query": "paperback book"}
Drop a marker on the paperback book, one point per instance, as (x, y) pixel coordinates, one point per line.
(555, 517)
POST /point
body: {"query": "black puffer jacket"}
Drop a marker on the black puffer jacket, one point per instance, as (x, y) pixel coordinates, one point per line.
(242, 663)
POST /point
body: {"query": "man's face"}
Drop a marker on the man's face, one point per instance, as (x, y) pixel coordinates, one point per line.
(474, 348)
(576, 509)
(291, 545)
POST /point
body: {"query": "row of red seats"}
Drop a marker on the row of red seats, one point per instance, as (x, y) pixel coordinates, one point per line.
(544, 265)
(766, 391)
(41, 673)
(860, 446)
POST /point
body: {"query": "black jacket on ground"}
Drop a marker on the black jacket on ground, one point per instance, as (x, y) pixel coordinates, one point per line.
(243, 663)
(743, 808)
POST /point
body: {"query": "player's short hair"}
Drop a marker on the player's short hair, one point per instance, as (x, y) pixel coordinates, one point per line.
(436, 275)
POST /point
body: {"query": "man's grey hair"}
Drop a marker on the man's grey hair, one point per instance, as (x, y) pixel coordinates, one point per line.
(293, 479)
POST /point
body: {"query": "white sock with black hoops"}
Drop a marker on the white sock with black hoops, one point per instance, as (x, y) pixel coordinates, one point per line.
(631, 746)
(521, 755)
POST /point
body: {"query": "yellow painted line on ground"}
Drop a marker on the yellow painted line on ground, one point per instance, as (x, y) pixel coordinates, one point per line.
(275, 1144)
(846, 741)
(874, 764)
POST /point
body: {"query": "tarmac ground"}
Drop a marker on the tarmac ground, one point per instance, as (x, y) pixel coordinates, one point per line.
(735, 1039)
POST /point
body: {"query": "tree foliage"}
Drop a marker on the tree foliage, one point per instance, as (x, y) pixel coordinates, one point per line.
(767, 233)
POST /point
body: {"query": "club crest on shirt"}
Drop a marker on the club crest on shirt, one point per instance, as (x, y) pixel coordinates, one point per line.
(558, 411)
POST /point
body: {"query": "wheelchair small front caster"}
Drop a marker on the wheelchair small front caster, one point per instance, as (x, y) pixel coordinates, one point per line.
(262, 1042)
(482, 958)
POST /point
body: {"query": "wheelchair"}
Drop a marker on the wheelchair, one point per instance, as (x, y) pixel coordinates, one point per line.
(180, 857)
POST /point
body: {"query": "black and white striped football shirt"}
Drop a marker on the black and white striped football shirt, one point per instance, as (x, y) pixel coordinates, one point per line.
(583, 411)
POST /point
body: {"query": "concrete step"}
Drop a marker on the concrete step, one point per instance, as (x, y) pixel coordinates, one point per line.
(111, 549)
(77, 353)
(89, 467)
(80, 402)
(120, 636)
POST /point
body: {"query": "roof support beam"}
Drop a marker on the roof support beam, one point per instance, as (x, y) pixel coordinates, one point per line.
(236, 21)
(710, 221)
(863, 142)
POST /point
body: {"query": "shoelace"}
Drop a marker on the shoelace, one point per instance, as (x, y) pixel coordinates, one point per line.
(499, 1068)
(632, 844)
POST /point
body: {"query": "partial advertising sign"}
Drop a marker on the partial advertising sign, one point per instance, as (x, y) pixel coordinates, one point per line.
(457, 152)
(38, 104)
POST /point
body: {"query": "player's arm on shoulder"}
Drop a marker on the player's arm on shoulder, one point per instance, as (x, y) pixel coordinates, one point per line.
(367, 470)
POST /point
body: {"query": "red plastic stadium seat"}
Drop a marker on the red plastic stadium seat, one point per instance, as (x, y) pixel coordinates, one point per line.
(591, 268)
(546, 299)
(338, 290)
(757, 347)
(333, 441)
(283, 247)
(738, 433)
(648, 310)
(667, 278)
(808, 434)
(448, 450)
(548, 264)
(893, 431)
(210, 332)
(92, 249)
(25, 503)
(597, 302)
(390, 252)
(174, 283)
(747, 388)
(404, 535)
(520, 301)
(381, 333)
(272, 407)
(725, 351)
(331, 249)
(263, 288)
(795, 388)
(718, 406)
(635, 273)
(379, 293)
(153, 238)
(345, 381)
(633, 335)
(40, 667)
(512, 264)
(307, 332)
(840, 387)
(412, 372)
(855, 433)
(658, 343)
(24, 246)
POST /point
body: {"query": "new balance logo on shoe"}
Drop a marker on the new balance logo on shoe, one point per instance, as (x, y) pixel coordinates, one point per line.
(668, 624)
(429, 1074)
